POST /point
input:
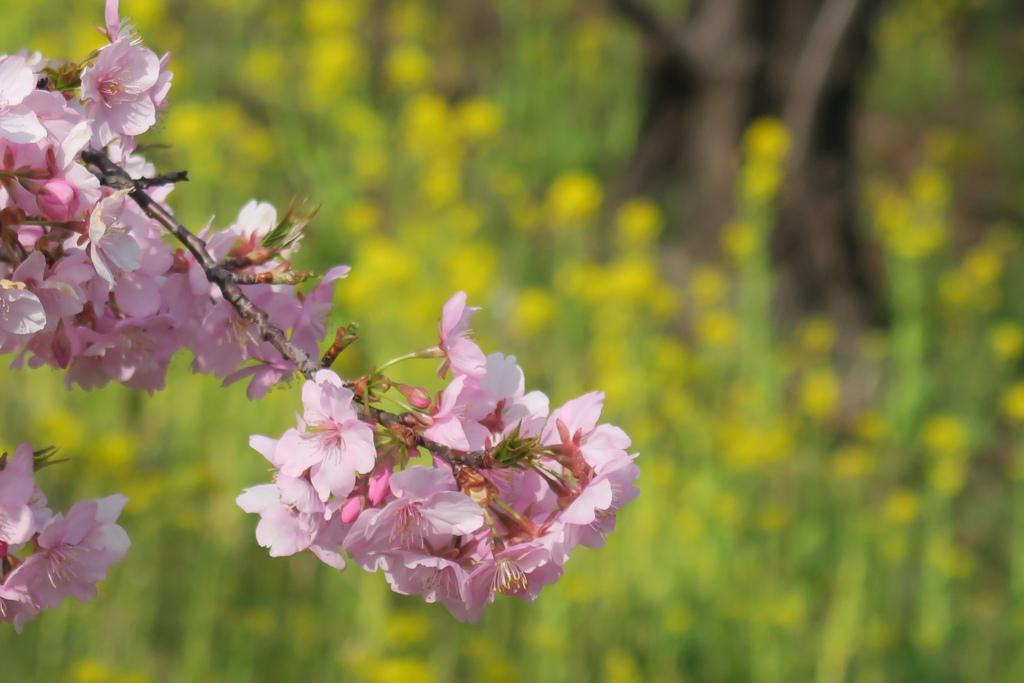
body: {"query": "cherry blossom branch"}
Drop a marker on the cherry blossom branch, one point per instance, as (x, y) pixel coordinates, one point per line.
(114, 176)
(162, 179)
(404, 426)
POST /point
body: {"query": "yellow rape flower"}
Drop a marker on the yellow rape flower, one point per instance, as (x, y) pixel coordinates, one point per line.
(370, 165)
(819, 393)
(90, 671)
(767, 138)
(574, 198)
(902, 506)
(395, 670)
(945, 434)
(1007, 339)
(633, 278)
(473, 267)
(427, 124)
(479, 119)
(441, 183)
(115, 453)
(817, 335)
(620, 667)
(760, 179)
(852, 462)
(708, 285)
(331, 17)
(533, 311)
(1013, 402)
(61, 428)
(740, 239)
(638, 223)
(263, 66)
(334, 63)
(930, 187)
(871, 426)
(408, 628)
(361, 122)
(948, 475)
(360, 217)
(984, 265)
(718, 328)
(408, 67)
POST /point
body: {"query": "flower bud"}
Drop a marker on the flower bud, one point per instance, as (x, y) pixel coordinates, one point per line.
(417, 396)
(379, 487)
(351, 509)
(58, 200)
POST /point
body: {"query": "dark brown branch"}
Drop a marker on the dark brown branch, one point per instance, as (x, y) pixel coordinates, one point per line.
(114, 176)
(288, 277)
(162, 179)
(404, 426)
(343, 338)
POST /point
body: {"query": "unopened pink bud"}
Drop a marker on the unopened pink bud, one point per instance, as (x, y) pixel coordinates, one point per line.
(351, 509)
(58, 200)
(379, 486)
(417, 396)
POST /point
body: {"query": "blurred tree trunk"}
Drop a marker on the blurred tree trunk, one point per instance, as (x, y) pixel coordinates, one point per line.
(707, 74)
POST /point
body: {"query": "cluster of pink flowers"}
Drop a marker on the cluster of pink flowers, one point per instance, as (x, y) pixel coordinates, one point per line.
(87, 281)
(509, 490)
(46, 557)
(481, 490)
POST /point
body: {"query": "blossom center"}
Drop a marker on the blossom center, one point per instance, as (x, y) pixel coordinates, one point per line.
(409, 527)
(62, 561)
(509, 579)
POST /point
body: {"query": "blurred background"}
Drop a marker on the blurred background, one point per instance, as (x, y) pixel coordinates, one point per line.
(784, 236)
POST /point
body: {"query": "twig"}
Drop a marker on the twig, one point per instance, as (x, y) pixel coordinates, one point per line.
(162, 179)
(404, 425)
(289, 277)
(114, 176)
(343, 338)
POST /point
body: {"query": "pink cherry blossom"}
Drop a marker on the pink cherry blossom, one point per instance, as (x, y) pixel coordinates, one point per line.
(520, 570)
(21, 312)
(591, 517)
(116, 90)
(112, 248)
(436, 578)
(451, 426)
(132, 351)
(283, 528)
(16, 606)
(18, 123)
(461, 353)
(59, 288)
(74, 553)
(59, 200)
(17, 523)
(331, 442)
(426, 512)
